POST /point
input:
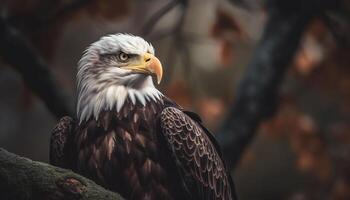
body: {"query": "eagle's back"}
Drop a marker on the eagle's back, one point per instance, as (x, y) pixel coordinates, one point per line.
(123, 152)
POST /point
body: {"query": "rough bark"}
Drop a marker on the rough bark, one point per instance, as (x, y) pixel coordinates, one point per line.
(24, 179)
(257, 94)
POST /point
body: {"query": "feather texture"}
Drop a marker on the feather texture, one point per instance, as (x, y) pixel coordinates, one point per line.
(61, 143)
(196, 155)
(151, 152)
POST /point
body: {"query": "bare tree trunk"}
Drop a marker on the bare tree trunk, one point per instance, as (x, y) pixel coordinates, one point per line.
(22, 56)
(257, 94)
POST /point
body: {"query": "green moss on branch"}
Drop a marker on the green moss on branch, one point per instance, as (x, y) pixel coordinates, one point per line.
(22, 178)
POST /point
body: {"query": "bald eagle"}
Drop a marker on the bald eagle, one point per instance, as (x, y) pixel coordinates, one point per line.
(132, 139)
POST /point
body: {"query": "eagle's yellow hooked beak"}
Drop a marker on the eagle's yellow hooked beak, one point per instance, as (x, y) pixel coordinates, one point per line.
(149, 64)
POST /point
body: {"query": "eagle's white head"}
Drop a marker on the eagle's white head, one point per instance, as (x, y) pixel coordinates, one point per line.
(113, 69)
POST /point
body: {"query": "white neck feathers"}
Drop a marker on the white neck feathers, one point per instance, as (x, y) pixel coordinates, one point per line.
(94, 98)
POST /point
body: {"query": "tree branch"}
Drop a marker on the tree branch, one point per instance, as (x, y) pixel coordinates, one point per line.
(337, 21)
(24, 179)
(149, 25)
(39, 18)
(22, 56)
(256, 97)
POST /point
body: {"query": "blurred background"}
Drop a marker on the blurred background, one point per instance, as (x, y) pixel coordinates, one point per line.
(270, 78)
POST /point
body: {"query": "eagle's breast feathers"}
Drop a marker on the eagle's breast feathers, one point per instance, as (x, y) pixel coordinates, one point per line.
(124, 146)
(155, 150)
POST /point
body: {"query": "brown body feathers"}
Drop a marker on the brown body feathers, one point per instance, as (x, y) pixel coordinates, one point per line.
(156, 151)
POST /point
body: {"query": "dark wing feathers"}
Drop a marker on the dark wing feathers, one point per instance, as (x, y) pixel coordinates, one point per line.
(193, 116)
(60, 142)
(195, 153)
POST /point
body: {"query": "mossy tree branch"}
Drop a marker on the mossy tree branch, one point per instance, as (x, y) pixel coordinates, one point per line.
(21, 178)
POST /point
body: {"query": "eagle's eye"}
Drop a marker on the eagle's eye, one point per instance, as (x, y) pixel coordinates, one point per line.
(123, 56)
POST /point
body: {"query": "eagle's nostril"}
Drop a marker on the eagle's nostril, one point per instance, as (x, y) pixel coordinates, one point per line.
(148, 59)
